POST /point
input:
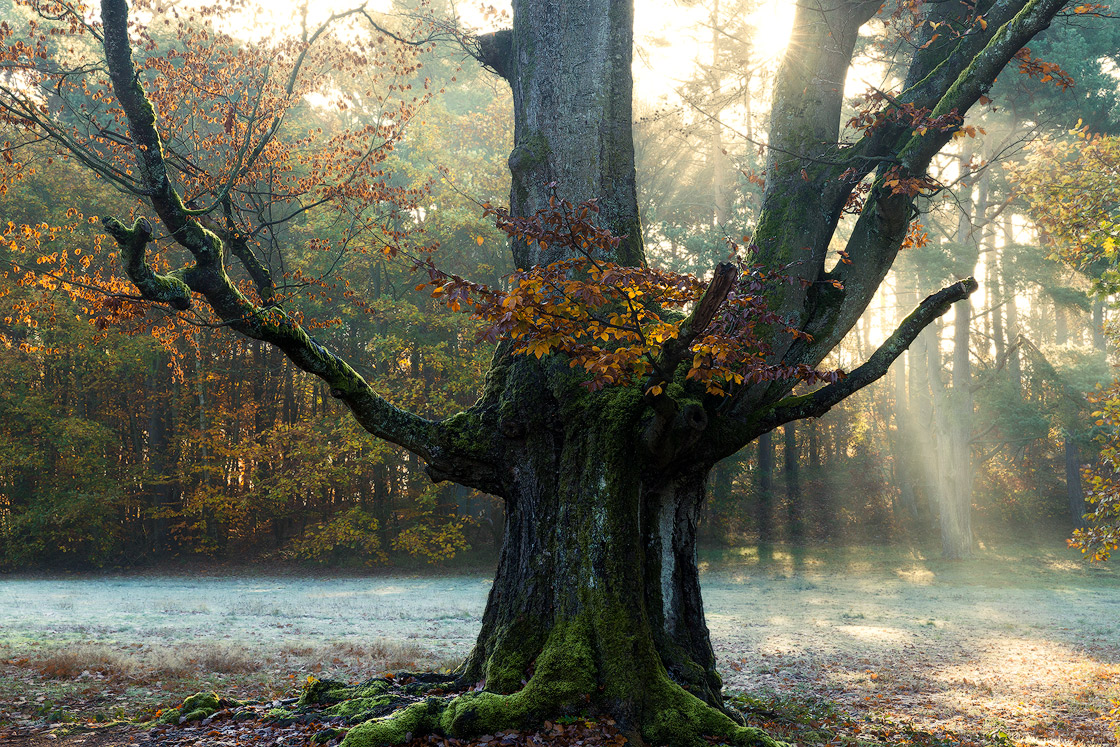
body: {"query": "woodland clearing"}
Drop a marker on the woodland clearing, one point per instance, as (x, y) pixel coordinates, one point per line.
(1016, 647)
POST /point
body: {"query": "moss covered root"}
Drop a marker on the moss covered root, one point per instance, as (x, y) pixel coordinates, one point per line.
(418, 718)
(688, 722)
(330, 692)
(196, 708)
(671, 716)
(362, 709)
(678, 718)
(564, 683)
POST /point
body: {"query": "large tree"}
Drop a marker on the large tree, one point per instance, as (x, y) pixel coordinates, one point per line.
(596, 600)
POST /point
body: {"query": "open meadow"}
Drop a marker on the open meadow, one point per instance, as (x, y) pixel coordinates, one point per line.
(1012, 648)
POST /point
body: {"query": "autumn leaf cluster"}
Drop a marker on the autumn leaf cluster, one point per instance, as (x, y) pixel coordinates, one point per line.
(1072, 189)
(1101, 537)
(263, 141)
(612, 320)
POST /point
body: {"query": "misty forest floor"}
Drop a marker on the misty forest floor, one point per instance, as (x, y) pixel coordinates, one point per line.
(841, 646)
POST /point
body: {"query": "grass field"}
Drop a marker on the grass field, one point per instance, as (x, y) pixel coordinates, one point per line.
(1023, 643)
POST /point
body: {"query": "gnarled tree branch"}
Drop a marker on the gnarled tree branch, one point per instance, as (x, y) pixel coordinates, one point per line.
(882, 224)
(436, 442)
(729, 432)
(674, 350)
(822, 400)
(169, 289)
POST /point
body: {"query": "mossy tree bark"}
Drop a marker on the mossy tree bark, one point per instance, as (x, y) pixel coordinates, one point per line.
(596, 602)
(598, 565)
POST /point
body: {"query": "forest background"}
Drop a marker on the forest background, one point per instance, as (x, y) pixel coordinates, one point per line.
(129, 439)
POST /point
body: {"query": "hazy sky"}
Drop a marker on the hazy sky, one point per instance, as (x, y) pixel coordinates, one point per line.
(671, 35)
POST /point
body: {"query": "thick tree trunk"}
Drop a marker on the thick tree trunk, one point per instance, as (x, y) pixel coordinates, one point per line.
(597, 595)
(596, 600)
(568, 64)
(594, 541)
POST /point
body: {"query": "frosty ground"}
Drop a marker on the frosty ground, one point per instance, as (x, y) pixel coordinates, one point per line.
(1023, 643)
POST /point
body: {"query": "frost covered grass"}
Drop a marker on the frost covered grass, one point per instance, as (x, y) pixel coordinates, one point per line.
(147, 641)
(261, 612)
(1020, 641)
(1024, 642)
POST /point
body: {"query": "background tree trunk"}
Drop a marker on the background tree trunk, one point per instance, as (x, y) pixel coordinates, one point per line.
(791, 474)
(764, 488)
(1075, 493)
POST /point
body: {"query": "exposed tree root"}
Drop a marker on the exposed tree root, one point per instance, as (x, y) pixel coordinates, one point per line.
(582, 669)
(666, 715)
(395, 710)
(683, 723)
(680, 718)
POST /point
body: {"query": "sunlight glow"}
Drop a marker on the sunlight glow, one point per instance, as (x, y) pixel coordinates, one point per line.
(259, 22)
(672, 38)
(875, 633)
(773, 25)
